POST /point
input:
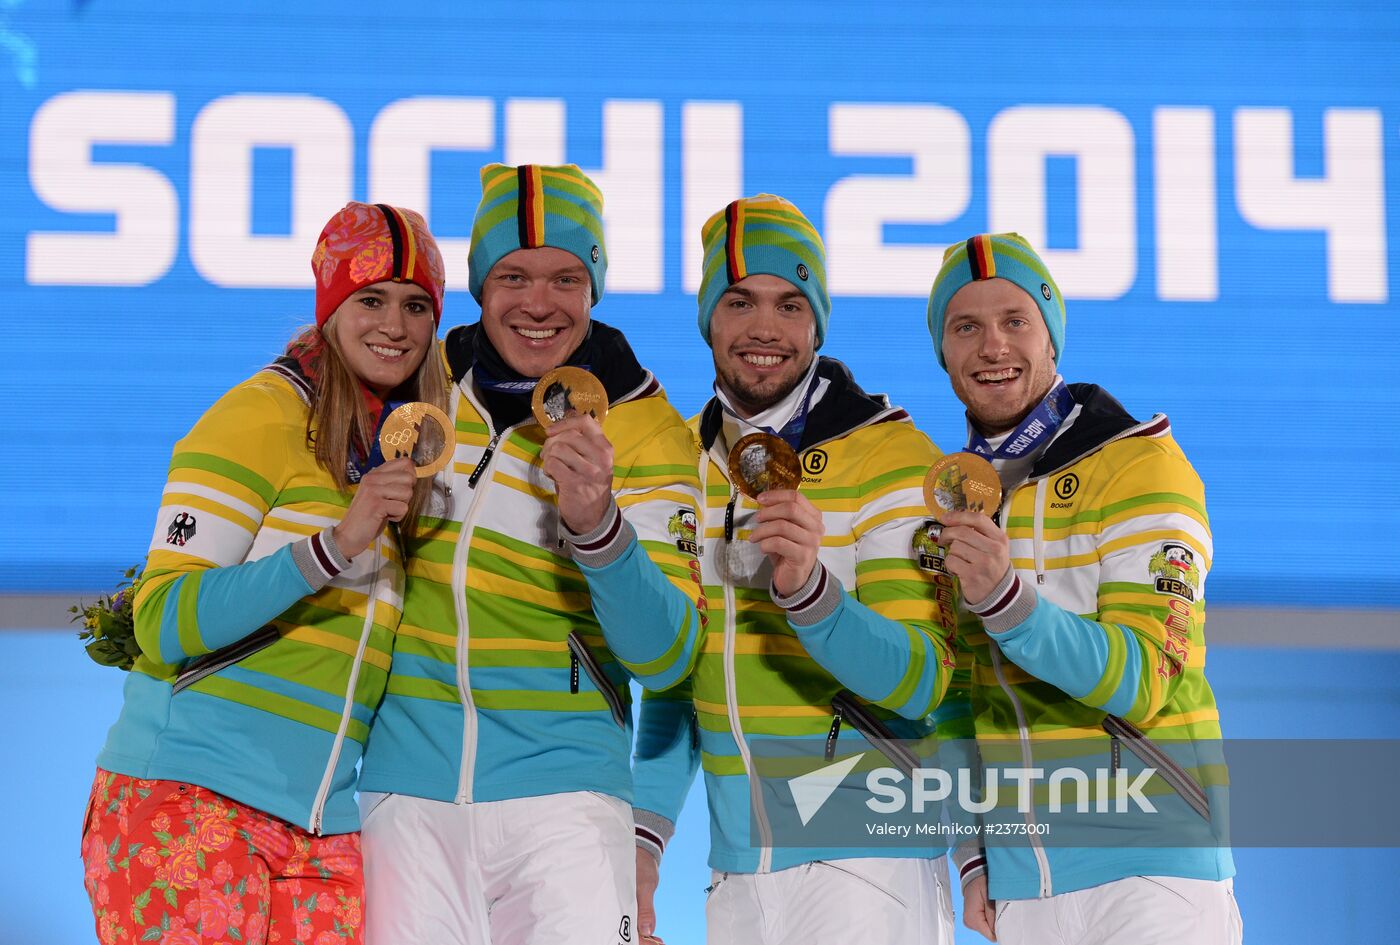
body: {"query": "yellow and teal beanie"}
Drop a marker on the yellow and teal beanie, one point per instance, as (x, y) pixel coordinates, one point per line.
(763, 235)
(536, 205)
(996, 256)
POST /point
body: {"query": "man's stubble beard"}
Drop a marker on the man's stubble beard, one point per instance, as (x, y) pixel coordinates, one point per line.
(755, 400)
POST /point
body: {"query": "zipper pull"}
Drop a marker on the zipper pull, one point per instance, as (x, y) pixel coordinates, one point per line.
(831, 736)
(573, 672)
(481, 464)
(729, 517)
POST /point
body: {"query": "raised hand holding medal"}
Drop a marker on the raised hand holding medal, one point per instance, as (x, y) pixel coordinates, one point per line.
(571, 404)
(789, 530)
(962, 492)
(415, 442)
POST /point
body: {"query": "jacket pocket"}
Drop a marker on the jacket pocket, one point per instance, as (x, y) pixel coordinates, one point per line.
(224, 657)
(862, 876)
(371, 801)
(1124, 733)
(581, 655)
(846, 706)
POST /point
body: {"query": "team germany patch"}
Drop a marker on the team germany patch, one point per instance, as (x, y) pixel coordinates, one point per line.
(927, 549)
(1174, 567)
(682, 526)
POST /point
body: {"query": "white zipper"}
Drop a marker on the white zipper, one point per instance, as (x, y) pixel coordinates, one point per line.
(1038, 531)
(731, 690)
(1023, 734)
(1038, 554)
(459, 595)
(464, 690)
(1027, 762)
(318, 808)
(482, 474)
(701, 510)
(731, 686)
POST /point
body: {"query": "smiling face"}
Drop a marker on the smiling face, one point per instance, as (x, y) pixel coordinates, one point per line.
(763, 335)
(998, 352)
(383, 332)
(535, 307)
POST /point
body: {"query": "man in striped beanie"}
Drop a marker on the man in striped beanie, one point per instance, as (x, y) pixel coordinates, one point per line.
(1084, 608)
(835, 630)
(548, 578)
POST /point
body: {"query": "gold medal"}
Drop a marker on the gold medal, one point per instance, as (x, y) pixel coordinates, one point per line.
(760, 462)
(420, 432)
(962, 482)
(566, 391)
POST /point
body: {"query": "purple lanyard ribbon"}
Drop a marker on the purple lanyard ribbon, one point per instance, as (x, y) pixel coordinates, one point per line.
(524, 386)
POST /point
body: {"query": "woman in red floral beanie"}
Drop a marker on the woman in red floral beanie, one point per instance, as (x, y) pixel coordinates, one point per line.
(223, 808)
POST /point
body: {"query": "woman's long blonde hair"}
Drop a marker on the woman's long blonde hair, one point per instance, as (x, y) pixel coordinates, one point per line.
(339, 422)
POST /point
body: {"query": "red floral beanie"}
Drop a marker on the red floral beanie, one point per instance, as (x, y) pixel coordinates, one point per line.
(368, 243)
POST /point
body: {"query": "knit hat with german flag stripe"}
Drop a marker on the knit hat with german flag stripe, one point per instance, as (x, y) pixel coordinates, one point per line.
(368, 243)
(763, 235)
(536, 205)
(996, 256)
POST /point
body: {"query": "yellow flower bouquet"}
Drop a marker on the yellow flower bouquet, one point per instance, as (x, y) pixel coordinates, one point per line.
(109, 626)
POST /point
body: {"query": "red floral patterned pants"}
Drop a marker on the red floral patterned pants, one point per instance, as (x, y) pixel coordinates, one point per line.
(179, 864)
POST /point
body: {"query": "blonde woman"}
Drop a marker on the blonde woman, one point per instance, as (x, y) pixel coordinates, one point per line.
(223, 808)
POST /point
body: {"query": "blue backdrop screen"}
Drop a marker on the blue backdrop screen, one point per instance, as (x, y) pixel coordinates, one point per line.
(1215, 187)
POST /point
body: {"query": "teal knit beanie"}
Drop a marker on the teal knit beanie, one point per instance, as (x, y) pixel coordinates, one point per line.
(996, 256)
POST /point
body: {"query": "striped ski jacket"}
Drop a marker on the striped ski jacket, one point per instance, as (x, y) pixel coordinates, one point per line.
(264, 653)
(511, 668)
(872, 622)
(1097, 639)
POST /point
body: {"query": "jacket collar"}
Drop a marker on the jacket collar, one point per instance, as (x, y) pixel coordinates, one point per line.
(290, 370)
(1100, 421)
